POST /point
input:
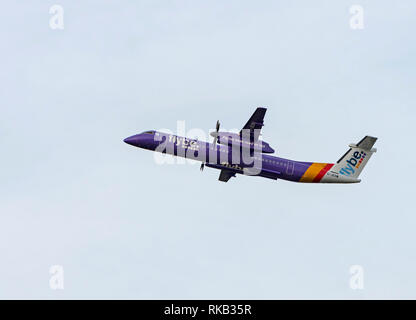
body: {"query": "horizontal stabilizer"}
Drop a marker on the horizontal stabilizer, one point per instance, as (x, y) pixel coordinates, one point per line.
(367, 143)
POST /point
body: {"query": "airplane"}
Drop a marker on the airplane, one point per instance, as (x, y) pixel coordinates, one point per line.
(244, 153)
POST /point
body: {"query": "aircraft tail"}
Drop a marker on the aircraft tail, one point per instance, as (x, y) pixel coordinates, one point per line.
(354, 160)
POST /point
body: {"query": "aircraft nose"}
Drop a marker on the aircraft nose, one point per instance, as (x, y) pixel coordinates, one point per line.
(131, 140)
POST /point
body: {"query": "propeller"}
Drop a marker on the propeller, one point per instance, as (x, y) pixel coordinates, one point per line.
(215, 135)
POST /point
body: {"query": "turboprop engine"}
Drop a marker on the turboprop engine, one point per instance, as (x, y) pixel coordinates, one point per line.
(235, 140)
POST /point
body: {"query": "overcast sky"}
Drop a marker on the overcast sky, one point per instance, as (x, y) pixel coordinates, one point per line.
(121, 226)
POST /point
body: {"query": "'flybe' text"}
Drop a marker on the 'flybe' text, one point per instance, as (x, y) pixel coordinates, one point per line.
(353, 163)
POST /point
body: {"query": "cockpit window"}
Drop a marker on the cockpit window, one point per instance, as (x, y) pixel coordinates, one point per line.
(148, 132)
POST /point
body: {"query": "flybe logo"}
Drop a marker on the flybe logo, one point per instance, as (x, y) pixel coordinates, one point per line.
(353, 163)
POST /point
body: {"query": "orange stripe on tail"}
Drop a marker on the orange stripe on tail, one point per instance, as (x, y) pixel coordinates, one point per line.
(312, 172)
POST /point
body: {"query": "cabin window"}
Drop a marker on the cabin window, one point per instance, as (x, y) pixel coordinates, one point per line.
(148, 132)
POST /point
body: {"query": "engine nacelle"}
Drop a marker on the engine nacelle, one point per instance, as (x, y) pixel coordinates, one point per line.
(235, 140)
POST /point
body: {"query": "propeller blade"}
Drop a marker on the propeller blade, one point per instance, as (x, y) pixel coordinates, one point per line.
(202, 166)
(217, 128)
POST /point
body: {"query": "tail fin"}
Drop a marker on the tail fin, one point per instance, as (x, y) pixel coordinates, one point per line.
(354, 160)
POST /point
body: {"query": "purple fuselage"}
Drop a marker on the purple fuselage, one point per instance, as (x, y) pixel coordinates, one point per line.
(221, 156)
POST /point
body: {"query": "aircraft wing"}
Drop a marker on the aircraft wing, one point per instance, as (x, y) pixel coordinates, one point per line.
(225, 175)
(254, 124)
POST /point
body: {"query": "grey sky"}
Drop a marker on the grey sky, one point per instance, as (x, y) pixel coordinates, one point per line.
(73, 194)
